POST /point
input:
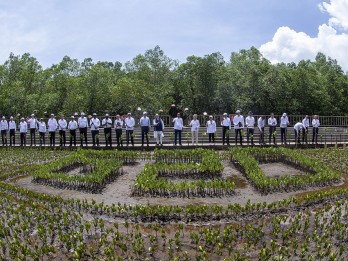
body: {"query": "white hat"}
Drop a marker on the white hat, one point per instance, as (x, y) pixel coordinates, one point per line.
(33, 115)
(82, 114)
(11, 118)
(284, 114)
(72, 117)
(52, 114)
(94, 114)
(3, 117)
(238, 111)
(144, 112)
(225, 114)
(107, 115)
(22, 119)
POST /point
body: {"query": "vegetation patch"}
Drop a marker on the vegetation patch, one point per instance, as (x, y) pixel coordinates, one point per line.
(79, 172)
(203, 165)
(247, 161)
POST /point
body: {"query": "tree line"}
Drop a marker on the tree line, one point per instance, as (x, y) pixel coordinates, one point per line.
(153, 82)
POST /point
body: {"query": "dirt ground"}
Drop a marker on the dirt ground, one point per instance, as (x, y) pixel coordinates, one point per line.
(279, 169)
(120, 190)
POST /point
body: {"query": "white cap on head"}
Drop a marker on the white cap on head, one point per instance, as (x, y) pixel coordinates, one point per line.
(82, 114)
(225, 114)
(72, 117)
(3, 117)
(107, 115)
(238, 111)
(144, 112)
(11, 118)
(284, 114)
(33, 115)
(94, 114)
(22, 119)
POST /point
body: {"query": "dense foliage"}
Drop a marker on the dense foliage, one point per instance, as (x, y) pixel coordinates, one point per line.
(153, 81)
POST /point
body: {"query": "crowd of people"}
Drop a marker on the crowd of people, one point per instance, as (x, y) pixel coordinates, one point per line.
(82, 123)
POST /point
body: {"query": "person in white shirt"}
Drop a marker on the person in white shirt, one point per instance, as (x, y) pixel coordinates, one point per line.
(72, 126)
(145, 127)
(42, 132)
(82, 123)
(284, 122)
(194, 129)
(4, 128)
(118, 124)
(107, 124)
(32, 124)
(62, 126)
(238, 123)
(23, 128)
(95, 124)
(298, 129)
(52, 127)
(158, 126)
(305, 123)
(178, 126)
(261, 125)
(130, 123)
(12, 128)
(272, 123)
(250, 124)
(315, 124)
(211, 129)
(226, 127)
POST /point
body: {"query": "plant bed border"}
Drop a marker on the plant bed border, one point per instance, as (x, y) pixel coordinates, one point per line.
(105, 171)
(247, 160)
(202, 162)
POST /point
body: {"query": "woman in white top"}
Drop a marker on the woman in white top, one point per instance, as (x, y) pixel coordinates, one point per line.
(211, 129)
(194, 129)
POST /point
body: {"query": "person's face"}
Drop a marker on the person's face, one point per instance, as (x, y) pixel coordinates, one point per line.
(272, 115)
(62, 117)
(178, 115)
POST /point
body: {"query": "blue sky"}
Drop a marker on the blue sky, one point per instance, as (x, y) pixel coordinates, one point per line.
(115, 30)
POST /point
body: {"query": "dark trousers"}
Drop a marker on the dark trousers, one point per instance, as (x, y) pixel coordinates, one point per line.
(118, 137)
(225, 135)
(72, 137)
(272, 130)
(42, 138)
(177, 133)
(238, 131)
(262, 136)
(129, 135)
(107, 134)
(62, 137)
(83, 135)
(298, 136)
(283, 135)
(144, 133)
(250, 134)
(52, 135)
(32, 136)
(4, 137)
(211, 137)
(315, 134)
(12, 137)
(23, 138)
(95, 138)
(305, 135)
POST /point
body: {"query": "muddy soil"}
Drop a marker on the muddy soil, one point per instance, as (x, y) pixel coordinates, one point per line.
(279, 169)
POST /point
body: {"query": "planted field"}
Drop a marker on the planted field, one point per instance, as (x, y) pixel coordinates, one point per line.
(59, 225)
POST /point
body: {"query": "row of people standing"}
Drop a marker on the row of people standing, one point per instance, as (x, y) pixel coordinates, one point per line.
(237, 123)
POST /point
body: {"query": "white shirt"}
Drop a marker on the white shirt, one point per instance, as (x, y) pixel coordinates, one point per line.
(62, 124)
(118, 123)
(194, 125)
(250, 122)
(226, 122)
(144, 121)
(23, 127)
(107, 123)
(238, 119)
(129, 123)
(211, 126)
(284, 121)
(12, 125)
(261, 123)
(52, 124)
(3, 125)
(72, 125)
(42, 126)
(82, 122)
(178, 123)
(305, 122)
(315, 123)
(94, 123)
(32, 123)
(272, 121)
(298, 126)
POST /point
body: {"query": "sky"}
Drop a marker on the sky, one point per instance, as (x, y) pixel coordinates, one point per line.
(119, 30)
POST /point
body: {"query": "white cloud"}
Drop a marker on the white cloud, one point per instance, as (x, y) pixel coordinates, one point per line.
(288, 45)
